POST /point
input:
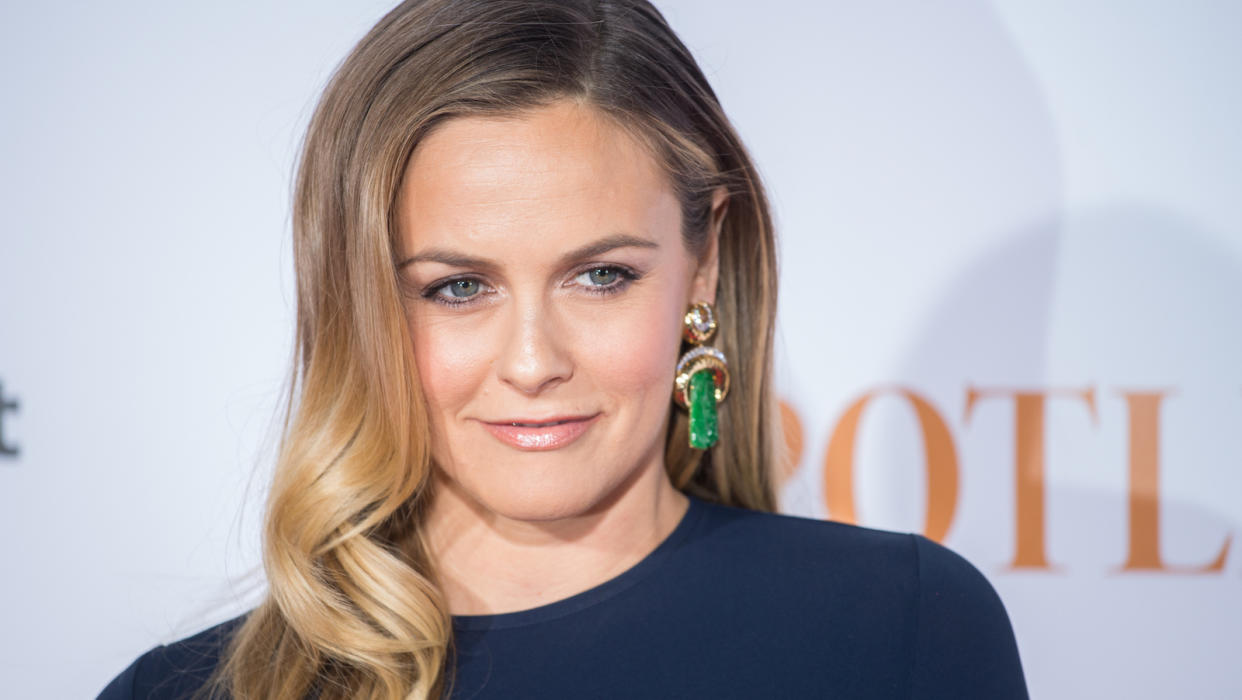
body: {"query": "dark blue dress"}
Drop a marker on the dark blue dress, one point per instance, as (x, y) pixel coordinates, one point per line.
(732, 604)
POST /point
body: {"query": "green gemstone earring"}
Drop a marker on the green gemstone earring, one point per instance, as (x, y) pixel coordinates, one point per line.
(702, 376)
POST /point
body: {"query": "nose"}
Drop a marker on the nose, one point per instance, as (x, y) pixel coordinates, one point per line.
(534, 356)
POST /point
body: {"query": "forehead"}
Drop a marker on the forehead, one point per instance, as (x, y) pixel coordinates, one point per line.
(557, 172)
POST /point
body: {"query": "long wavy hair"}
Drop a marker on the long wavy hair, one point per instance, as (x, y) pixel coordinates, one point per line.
(352, 608)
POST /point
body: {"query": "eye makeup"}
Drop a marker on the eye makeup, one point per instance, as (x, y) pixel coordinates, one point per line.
(621, 278)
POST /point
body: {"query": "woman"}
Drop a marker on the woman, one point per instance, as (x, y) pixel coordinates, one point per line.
(529, 448)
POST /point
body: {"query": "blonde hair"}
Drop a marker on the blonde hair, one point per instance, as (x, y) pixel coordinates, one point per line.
(352, 607)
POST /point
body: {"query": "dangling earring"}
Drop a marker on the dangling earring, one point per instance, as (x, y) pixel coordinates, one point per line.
(702, 376)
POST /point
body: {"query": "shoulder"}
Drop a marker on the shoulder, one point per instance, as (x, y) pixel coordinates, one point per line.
(949, 582)
(806, 572)
(876, 587)
(940, 575)
(780, 538)
(964, 643)
(174, 670)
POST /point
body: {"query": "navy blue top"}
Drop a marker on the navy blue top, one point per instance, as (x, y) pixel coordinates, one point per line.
(733, 603)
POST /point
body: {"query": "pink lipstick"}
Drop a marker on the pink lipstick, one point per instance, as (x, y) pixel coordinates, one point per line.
(547, 434)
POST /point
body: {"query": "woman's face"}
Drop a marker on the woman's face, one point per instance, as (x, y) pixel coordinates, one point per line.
(546, 279)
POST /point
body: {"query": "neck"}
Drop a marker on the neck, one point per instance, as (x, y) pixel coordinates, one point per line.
(489, 563)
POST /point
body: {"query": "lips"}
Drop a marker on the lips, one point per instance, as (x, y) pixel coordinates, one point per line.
(540, 434)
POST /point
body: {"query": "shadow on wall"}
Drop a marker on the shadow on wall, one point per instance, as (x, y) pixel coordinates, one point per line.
(1126, 318)
(940, 135)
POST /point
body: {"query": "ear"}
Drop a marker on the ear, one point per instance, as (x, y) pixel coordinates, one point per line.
(708, 269)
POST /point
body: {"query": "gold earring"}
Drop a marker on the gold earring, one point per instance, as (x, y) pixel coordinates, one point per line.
(702, 376)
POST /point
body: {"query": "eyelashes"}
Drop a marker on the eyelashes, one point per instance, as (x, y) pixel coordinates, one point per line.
(466, 290)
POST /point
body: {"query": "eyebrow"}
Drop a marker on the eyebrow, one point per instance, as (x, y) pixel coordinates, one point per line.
(590, 250)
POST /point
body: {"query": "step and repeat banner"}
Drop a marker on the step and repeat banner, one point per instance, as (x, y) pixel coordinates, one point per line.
(1011, 308)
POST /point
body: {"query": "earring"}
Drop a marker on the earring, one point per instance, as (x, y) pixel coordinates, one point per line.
(702, 376)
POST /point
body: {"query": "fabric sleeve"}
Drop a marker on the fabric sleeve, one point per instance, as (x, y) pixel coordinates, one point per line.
(964, 643)
(122, 687)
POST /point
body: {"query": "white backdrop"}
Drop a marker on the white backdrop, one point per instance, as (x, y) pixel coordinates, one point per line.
(974, 199)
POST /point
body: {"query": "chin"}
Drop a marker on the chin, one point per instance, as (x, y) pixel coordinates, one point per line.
(541, 502)
(544, 497)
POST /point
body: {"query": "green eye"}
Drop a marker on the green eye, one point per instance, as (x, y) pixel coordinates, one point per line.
(606, 279)
(460, 291)
(463, 288)
(603, 275)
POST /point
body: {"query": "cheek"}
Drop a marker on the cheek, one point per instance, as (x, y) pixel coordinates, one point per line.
(451, 362)
(637, 351)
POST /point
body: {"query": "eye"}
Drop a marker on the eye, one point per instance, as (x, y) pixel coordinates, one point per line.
(458, 291)
(605, 279)
(462, 288)
(601, 276)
